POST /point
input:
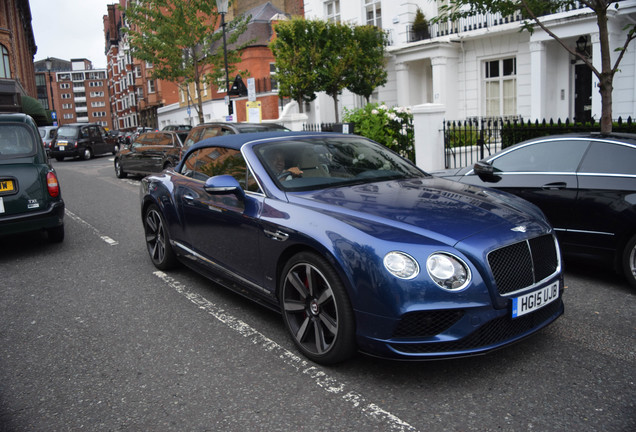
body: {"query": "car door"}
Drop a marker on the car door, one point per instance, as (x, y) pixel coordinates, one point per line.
(223, 229)
(543, 173)
(606, 205)
(96, 140)
(151, 154)
(133, 159)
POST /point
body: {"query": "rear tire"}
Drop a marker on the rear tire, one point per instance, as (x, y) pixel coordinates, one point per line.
(87, 154)
(629, 261)
(316, 309)
(119, 171)
(158, 239)
(56, 235)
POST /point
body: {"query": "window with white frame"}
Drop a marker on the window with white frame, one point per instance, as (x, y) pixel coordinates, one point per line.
(67, 106)
(137, 71)
(221, 85)
(97, 94)
(500, 87)
(98, 104)
(151, 86)
(374, 12)
(99, 114)
(65, 95)
(5, 63)
(68, 116)
(65, 85)
(272, 76)
(332, 10)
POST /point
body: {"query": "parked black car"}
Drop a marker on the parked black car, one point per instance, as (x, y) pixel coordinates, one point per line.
(209, 130)
(30, 195)
(151, 152)
(83, 140)
(584, 183)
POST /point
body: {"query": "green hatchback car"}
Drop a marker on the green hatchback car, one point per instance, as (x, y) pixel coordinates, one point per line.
(30, 195)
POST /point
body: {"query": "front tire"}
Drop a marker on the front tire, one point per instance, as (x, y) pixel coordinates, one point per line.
(629, 261)
(316, 309)
(158, 239)
(119, 171)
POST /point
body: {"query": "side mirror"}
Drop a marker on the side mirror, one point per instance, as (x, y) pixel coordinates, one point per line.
(224, 185)
(486, 172)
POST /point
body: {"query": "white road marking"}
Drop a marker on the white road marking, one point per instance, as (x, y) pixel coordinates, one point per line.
(320, 378)
(76, 218)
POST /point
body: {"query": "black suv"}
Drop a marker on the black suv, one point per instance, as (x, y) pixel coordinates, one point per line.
(83, 140)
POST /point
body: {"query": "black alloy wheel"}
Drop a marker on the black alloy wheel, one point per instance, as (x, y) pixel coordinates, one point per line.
(158, 239)
(316, 309)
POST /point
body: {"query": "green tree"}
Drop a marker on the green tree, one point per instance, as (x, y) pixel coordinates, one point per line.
(368, 70)
(178, 37)
(298, 52)
(533, 10)
(313, 56)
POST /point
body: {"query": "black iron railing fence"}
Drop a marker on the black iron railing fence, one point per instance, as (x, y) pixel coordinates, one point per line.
(466, 142)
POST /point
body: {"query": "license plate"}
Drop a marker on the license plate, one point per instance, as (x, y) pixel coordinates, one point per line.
(6, 186)
(535, 300)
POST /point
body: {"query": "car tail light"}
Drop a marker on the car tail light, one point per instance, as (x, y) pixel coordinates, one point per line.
(75, 143)
(52, 184)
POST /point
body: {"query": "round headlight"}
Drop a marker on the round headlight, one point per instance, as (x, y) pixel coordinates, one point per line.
(401, 265)
(448, 271)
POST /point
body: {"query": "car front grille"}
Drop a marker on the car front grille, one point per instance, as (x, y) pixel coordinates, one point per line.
(493, 332)
(523, 264)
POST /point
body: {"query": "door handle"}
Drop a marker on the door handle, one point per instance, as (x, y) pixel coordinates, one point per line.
(554, 186)
(189, 198)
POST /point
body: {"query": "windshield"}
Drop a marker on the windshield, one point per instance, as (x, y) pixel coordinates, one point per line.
(68, 132)
(307, 164)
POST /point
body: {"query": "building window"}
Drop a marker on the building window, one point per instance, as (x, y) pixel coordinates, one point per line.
(151, 86)
(67, 106)
(272, 76)
(97, 94)
(68, 116)
(332, 10)
(5, 65)
(137, 71)
(99, 114)
(65, 86)
(65, 95)
(501, 87)
(374, 13)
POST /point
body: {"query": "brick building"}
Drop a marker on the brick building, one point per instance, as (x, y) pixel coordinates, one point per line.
(17, 49)
(77, 93)
(134, 95)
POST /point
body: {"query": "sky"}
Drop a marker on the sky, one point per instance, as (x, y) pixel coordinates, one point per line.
(68, 29)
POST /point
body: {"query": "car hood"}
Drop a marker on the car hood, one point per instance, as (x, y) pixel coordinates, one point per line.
(432, 207)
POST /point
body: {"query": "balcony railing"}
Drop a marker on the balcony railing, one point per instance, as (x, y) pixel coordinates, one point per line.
(472, 23)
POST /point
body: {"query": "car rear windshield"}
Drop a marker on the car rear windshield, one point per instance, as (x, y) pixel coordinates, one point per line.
(68, 132)
(17, 140)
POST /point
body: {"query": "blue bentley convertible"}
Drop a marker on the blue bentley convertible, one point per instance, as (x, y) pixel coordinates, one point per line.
(356, 247)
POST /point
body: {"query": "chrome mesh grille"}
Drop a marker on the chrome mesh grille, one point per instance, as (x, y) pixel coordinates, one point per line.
(523, 264)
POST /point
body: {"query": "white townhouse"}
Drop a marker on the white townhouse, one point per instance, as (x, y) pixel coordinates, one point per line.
(484, 66)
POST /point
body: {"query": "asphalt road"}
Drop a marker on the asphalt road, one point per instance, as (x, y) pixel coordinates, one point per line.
(93, 338)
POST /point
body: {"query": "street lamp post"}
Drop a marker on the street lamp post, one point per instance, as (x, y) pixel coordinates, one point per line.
(221, 7)
(49, 64)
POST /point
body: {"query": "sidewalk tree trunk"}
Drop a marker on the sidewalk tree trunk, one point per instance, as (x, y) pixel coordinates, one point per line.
(533, 10)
